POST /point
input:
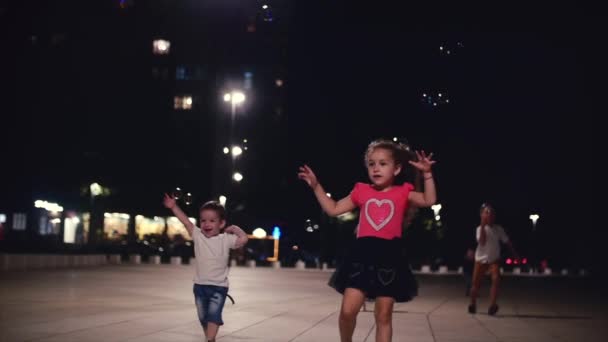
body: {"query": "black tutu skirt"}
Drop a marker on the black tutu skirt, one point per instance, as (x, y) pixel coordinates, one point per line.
(377, 267)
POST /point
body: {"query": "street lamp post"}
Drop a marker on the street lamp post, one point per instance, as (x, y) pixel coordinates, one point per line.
(534, 218)
(97, 219)
(223, 200)
(235, 98)
(436, 209)
(237, 176)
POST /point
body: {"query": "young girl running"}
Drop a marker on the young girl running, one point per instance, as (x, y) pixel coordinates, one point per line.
(376, 266)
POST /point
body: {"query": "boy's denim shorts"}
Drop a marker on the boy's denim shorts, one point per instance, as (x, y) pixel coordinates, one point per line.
(210, 301)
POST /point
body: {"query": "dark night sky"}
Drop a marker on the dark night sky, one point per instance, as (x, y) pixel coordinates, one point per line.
(518, 131)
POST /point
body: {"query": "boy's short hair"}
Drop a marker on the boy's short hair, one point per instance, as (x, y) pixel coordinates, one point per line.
(215, 206)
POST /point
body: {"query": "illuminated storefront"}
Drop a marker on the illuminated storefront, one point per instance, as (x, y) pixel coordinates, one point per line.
(76, 227)
(49, 217)
(115, 226)
(174, 228)
(149, 226)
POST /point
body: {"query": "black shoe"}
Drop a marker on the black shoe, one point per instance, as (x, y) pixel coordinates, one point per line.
(472, 308)
(492, 310)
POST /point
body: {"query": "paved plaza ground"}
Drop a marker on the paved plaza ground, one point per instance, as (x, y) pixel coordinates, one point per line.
(148, 303)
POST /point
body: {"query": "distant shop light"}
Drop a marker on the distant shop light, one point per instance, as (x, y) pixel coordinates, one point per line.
(48, 206)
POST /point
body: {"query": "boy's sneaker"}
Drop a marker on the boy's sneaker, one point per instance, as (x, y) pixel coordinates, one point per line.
(472, 308)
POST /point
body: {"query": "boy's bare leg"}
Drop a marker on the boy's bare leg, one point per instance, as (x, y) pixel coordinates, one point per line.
(211, 331)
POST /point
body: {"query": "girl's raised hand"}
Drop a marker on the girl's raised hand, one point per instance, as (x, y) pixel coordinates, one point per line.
(308, 176)
(424, 162)
(169, 202)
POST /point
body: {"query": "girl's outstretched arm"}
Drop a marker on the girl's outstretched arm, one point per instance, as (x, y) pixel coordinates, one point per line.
(429, 196)
(331, 207)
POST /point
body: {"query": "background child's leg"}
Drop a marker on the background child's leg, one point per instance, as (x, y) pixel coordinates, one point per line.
(351, 304)
(468, 282)
(478, 272)
(383, 313)
(495, 273)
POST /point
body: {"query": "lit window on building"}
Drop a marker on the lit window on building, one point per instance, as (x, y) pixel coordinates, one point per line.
(19, 221)
(190, 72)
(182, 102)
(161, 47)
(267, 13)
(248, 82)
(180, 73)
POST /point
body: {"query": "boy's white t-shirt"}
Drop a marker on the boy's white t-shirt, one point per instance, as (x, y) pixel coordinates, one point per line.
(490, 252)
(211, 257)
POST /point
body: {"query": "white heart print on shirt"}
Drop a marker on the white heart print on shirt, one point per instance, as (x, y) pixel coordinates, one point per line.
(379, 213)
